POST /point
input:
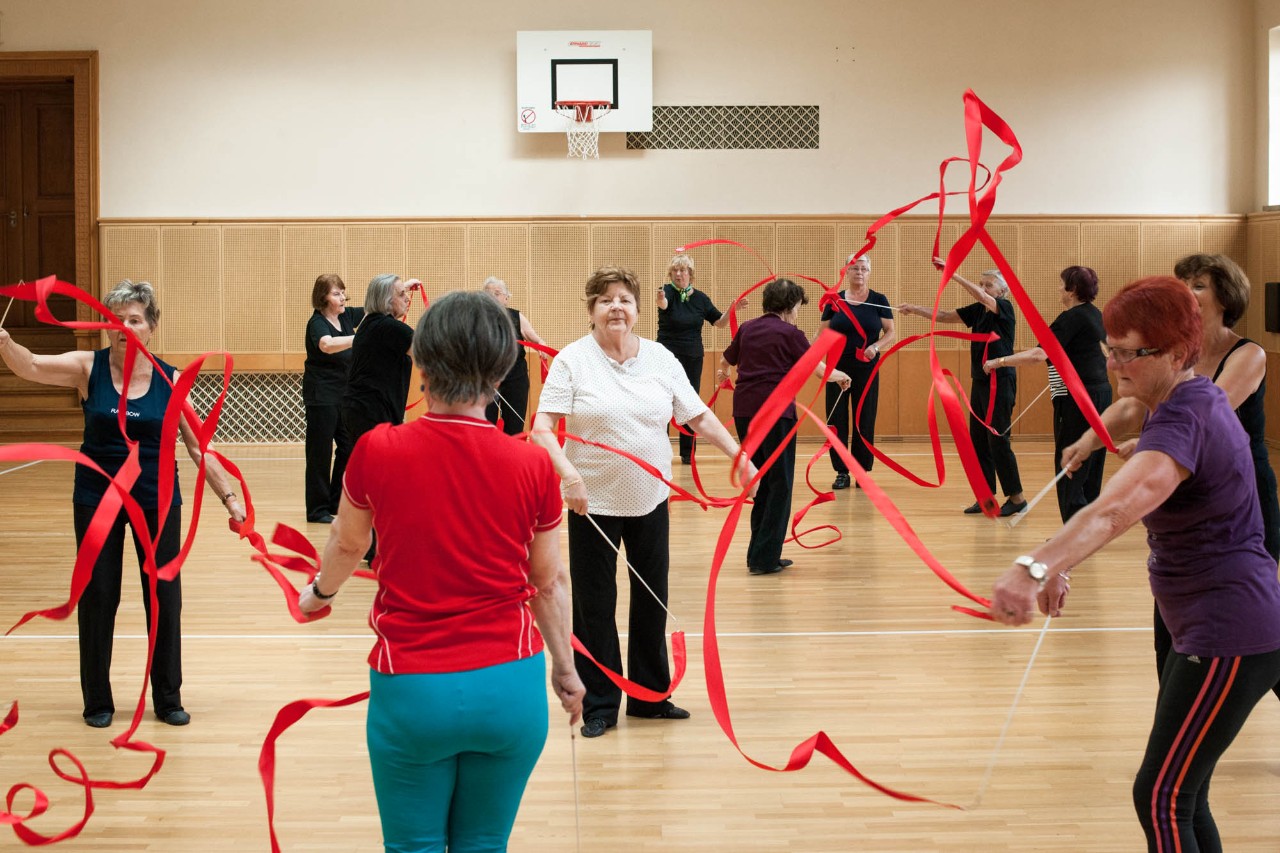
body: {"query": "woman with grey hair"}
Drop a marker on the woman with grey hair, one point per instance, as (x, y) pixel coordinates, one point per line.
(471, 588)
(872, 334)
(99, 379)
(512, 403)
(378, 384)
(993, 312)
(681, 312)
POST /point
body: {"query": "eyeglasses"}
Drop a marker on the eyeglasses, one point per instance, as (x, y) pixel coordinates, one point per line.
(1120, 355)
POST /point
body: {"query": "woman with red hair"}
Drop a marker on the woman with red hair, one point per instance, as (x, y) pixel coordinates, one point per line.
(1190, 481)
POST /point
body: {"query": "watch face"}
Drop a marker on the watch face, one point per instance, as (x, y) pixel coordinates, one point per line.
(1038, 571)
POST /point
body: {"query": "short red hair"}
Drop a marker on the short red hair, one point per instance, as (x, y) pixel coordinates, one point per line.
(1162, 311)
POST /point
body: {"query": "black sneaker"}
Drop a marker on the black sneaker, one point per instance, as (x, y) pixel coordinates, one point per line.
(975, 509)
(772, 570)
(1011, 508)
(595, 727)
(842, 481)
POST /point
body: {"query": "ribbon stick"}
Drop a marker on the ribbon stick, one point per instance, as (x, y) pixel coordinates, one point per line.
(1022, 513)
(1026, 409)
(1008, 720)
(6, 312)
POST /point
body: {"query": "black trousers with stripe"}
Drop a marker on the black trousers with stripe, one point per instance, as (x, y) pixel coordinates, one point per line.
(1202, 706)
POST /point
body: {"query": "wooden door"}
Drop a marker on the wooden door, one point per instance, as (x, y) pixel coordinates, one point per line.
(37, 195)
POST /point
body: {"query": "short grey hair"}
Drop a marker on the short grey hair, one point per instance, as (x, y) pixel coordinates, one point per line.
(494, 283)
(866, 258)
(464, 345)
(141, 292)
(382, 289)
(999, 277)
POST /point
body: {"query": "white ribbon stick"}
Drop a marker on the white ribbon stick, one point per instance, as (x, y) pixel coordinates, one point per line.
(991, 764)
(632, 568)
(1020, 514)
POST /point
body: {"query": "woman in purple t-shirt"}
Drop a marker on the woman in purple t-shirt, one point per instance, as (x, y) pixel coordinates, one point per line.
(1191, 483)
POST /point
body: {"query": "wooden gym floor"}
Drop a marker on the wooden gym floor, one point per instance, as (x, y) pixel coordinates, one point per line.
(857, 639)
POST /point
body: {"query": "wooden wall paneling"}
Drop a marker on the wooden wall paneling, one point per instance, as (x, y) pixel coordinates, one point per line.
(805, 248)
(918, 281)
(1046, 249)
(1164, 242)
(1225, 238)
(1034, 413)
(501, 250)
(309, 251)
(1112, 250)
(629, 245)
(437, 254)
(737, 270)
(1262, 267)
(253, 288)
(669, 236)
(888, 419)
(1007, 237)
(132, 252)
(914, 386)
(559, 266)
(371, 250)
(189, 290)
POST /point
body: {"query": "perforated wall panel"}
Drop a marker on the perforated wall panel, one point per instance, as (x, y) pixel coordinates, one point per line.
(131, 252)
(1112, 249)
(559, 265)
(738, 269)
(1046, 250)
(190, 290)
(253, 288)
(1164, 242)
(371, 250)
(309, 252)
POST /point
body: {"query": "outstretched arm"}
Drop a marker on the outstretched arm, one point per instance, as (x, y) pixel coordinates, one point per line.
(66, 370)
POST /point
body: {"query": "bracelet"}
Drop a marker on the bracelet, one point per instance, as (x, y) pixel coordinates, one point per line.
(228, 496)
(564, 484)
(1002, 361)
(315, 590)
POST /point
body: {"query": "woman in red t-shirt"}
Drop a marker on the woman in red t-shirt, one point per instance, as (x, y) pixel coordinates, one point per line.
(470, 562)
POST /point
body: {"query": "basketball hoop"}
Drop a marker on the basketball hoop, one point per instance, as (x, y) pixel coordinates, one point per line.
(582, 126)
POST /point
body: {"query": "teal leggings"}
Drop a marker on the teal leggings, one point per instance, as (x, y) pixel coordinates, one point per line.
(451, 753)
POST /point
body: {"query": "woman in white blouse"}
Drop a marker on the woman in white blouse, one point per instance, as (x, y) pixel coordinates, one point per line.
(618, 389)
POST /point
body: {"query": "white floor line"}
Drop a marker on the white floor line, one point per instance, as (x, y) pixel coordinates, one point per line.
(20, 467)
(722, 634)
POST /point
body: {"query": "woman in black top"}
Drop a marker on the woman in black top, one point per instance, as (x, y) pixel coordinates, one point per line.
(1079, 330)
(871, 309)
(378, 384)
(512, 400)
(681, 312)
(330, 331)
(993, 312)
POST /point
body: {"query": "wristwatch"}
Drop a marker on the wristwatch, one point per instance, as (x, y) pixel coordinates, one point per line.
(1038, 571)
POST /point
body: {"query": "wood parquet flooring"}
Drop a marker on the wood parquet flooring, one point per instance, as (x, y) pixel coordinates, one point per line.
(857, 639)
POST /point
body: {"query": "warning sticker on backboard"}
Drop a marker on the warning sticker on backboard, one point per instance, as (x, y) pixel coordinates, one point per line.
(528, 118)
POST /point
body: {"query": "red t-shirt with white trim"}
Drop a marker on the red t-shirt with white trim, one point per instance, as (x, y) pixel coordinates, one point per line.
(455, 505)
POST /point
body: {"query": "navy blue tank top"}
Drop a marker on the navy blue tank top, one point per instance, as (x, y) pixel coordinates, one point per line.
(104, 444)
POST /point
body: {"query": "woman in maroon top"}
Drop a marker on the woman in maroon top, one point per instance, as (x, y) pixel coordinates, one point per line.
(765, 349)
(1191, 483)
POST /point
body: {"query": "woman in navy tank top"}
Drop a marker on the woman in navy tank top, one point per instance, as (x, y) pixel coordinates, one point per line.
(98, 377)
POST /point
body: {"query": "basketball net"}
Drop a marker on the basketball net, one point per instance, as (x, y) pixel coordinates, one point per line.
(582, 128)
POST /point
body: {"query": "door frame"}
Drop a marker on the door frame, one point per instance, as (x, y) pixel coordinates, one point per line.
(81, 68)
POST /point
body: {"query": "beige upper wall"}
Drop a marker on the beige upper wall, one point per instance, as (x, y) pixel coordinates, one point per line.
(273, 108)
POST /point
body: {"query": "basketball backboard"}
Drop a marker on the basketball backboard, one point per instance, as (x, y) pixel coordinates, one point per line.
(584, 65)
